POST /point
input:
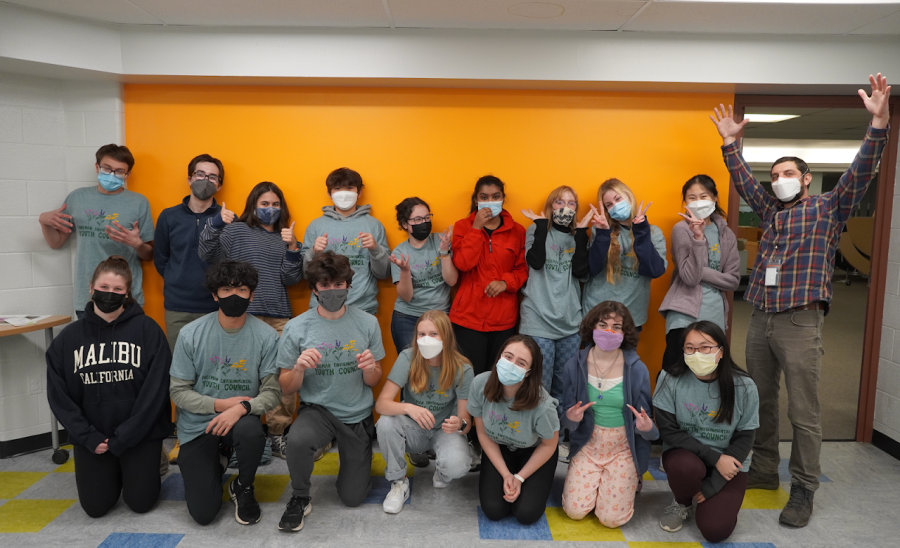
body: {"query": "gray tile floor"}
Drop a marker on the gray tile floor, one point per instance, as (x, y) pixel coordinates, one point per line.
(857, 508)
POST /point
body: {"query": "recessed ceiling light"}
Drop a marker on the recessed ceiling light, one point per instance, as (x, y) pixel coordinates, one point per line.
(769, 118)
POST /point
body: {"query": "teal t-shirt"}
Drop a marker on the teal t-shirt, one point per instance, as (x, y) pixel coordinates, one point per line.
(551, 307)
(441, 403)
(516, 429)
(712, 307)
(430, 291)
(695, 404)
(221, 365)
(631, 289)
(608, 409)
(91, 212)
(337, 383)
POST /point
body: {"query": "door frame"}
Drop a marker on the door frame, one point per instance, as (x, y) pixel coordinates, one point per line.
(865, 414)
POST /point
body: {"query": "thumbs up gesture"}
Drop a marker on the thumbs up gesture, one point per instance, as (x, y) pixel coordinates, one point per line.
(227, 215)
(287, 236)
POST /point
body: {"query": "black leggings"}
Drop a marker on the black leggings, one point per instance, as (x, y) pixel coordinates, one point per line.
(535, 492)
(102, 478)
(674, 348)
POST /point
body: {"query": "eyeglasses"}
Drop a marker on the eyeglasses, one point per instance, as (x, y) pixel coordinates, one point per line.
(705, 349)
(420, 220)
(120, 173)
(561, 203)
(203, 175)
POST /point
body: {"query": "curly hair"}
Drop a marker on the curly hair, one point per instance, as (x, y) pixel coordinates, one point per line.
(405, 208)
(230, 273)
(603, 311)
(328, 266)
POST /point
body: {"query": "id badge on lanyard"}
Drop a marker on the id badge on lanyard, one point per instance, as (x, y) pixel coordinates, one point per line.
(773, 269)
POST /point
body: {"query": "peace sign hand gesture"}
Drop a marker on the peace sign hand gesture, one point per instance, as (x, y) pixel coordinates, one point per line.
(641, 420)
(599, 219)
(642, 213)
(695, 223)
(576, 412)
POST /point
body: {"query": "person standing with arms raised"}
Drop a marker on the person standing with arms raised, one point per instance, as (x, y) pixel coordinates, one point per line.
(790, 290)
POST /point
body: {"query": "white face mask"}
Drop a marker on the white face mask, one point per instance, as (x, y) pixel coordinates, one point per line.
(702, 364)
(702, 208)
(429, 347)
(344, 199)
(786, 189)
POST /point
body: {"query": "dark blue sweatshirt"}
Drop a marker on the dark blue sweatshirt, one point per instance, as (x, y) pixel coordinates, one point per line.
(177, 261)
(111, 380)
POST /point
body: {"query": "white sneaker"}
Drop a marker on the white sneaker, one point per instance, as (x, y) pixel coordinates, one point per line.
(476, 458)
(564, 453)
(394, 500)
(438, 481)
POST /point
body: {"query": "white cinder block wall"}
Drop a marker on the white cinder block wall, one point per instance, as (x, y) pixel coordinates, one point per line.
(49, 131)
(887, 397)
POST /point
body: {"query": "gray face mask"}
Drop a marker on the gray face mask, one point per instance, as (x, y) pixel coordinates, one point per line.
(203, 189)
(332, 299)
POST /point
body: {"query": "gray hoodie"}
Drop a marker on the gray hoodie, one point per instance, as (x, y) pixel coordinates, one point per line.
(343, 238)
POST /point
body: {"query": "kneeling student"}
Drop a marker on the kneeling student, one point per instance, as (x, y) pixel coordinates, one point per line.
(223, 379)
(435, 379)
(330, 354)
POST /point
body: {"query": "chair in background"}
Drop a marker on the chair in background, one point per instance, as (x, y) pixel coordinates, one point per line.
(856, 245)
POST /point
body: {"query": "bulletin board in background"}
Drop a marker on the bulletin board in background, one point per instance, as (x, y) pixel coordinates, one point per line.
(430, 143)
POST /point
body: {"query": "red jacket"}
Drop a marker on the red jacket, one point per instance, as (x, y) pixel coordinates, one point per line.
(481, 260)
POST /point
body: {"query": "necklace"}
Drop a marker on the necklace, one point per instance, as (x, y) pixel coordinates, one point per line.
(602, 373)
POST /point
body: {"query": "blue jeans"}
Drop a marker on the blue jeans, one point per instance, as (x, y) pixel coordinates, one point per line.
(556, 353)
(402, 327)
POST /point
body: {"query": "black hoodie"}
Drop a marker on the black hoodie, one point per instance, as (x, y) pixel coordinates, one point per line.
(111, 380)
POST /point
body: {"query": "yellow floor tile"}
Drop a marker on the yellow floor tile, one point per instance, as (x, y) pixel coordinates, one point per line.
(13, 483)
(30, 516)
(266, 487)
(329, 466)
(665, 545)
(764, 499)
(69, 465)
(648, 477)
(379, 464)
(562, 527)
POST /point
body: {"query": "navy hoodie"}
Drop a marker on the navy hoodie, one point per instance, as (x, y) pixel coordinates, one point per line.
(177, 261)
(111, 380)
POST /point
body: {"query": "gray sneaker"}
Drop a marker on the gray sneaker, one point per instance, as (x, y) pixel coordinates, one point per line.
(279, 445)
(799, 507)
(673, 517)
(320, 452)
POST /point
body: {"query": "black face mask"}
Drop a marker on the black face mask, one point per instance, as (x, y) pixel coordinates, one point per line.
(233, 306)
(421, 231)
(107, 301)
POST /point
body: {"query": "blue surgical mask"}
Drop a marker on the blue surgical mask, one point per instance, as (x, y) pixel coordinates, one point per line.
(509, 373)
(495, 207)
(268, 215)
(109, 181)
(621, 211)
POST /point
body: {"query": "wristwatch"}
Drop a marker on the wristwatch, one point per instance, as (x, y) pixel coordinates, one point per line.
(246, 405)
(464, 425)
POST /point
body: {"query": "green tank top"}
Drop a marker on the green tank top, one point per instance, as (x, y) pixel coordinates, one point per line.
(608, 410)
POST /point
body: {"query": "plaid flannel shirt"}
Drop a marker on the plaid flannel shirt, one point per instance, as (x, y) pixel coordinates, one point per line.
(805, 237)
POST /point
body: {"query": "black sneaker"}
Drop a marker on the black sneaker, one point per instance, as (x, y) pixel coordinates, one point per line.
(246, 509)
(419, 460)
(297, 509)
(799, 507)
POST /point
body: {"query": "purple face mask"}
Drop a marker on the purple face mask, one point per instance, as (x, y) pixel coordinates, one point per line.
(607, 340)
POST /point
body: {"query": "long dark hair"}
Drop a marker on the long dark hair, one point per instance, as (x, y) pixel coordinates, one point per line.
(728, 372)
(528, 396)
(706, 182)
(487, 180)
(249, 215)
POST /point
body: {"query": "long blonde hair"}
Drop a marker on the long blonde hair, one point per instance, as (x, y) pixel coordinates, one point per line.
(554, 195)
(614, 257)
(452, 362)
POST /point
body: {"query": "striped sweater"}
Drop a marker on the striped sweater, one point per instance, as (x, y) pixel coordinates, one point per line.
(277, 267)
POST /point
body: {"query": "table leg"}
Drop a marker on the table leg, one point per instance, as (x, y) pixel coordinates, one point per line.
(59, 455)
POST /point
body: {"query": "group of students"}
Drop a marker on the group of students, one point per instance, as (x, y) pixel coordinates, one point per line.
(462, 371)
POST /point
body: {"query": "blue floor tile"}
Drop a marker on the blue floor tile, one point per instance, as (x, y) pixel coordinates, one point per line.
(655, 471)
(510, 529)
(141, 540)
(555, 501)
(785, 476)
(737, 545)
(381, 487)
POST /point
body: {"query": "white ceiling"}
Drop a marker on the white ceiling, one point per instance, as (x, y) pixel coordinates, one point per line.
(599, 15)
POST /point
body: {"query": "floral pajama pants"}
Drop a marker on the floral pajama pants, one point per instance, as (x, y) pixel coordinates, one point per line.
(602, 478)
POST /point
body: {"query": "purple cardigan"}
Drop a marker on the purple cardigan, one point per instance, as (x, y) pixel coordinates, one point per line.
(691, 258)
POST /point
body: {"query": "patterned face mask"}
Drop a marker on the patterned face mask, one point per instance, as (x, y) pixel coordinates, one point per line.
(563, 216)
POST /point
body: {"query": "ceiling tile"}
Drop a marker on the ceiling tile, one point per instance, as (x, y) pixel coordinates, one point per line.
(110, 11)
(764, 18)
(269, 13)
(513, 14)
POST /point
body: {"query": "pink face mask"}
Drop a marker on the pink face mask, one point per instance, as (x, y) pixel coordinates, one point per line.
(607, 340)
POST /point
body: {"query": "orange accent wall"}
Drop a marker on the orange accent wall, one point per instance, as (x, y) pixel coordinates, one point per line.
(431, 143)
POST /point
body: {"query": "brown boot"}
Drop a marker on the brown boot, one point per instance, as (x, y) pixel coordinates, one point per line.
(798, 508)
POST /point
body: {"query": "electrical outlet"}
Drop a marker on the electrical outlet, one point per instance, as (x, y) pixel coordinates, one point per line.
(34, 385)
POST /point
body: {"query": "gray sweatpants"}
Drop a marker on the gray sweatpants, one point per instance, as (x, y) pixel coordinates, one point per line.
(399, 434)
(314, 427)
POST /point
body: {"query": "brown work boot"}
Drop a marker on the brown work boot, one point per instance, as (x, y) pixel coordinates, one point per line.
(761, 480)
(798, 508)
